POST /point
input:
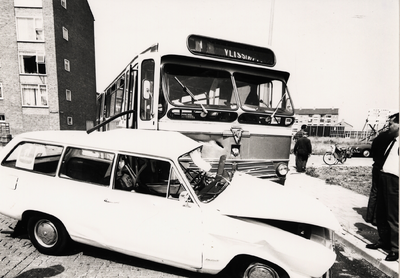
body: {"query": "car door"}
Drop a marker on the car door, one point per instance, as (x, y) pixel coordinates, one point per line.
(27, 178)
(83, 183)
(154, 225)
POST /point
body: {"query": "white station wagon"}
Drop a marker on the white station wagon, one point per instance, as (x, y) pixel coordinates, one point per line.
(150, 194)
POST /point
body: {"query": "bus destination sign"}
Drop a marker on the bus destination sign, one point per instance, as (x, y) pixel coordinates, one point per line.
(200, 45)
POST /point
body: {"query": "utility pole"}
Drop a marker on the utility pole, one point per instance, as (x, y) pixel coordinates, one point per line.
(271, 22)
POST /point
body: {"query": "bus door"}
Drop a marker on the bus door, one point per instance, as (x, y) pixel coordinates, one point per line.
(131, 96)
(148, 95)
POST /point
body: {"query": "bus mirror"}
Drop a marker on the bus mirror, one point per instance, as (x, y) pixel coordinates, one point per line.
(147, 89)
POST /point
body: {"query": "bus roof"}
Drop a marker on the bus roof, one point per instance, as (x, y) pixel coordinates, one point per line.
(166, 144)
(208, 48)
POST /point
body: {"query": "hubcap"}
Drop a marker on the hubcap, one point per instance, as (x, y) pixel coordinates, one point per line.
(46, 233)
(258, 270)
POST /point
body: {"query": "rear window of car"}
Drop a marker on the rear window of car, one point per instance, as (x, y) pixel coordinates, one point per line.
(35, 157)
(85, 165)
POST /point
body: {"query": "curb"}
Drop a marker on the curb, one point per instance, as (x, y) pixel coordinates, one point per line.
(351, 241)
(375, 257)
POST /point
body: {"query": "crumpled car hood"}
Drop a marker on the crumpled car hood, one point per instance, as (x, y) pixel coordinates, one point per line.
(248, 196)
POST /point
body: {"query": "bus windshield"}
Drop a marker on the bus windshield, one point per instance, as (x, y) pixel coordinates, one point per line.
(195, 86)
(191, 86)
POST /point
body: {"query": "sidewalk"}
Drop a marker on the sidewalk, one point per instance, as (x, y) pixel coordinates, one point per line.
(349, 208)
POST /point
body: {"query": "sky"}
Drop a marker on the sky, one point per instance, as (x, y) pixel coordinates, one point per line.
(340, 53)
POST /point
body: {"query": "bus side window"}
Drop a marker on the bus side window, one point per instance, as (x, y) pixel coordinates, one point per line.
(147, 91)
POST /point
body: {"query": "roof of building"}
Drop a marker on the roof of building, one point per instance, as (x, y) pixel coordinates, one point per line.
(343, 123)
(308, 111)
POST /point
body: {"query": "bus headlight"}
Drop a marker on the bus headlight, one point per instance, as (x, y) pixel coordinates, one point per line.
(282, 169)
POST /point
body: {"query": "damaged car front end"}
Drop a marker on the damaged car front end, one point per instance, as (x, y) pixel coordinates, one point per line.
(260, 228)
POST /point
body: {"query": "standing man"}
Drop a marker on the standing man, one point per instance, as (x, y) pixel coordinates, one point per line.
(378, 148)
(300, 133)
(302, 150)
(387, 214)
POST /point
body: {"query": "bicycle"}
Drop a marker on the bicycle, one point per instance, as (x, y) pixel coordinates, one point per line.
(337, 155)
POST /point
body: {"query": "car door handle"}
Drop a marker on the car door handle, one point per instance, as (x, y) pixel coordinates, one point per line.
(110, 202)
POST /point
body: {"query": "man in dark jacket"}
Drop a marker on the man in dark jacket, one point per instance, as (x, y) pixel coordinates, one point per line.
(378, 147)
(300, 133)
(387, 212)
(302, 150)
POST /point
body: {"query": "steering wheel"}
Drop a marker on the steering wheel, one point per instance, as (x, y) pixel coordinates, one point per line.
(199, 181)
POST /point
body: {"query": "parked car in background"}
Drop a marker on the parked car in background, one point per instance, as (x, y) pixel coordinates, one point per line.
(150, 194)
(362, 149)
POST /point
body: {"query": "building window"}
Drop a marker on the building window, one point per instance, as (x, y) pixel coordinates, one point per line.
(65, 33)
(64, 3)
(30, 29)
(32, 63)
(66, 65)
(34, 95)
(69, 121)
(68, 95)
(1, 90)
(2, 119)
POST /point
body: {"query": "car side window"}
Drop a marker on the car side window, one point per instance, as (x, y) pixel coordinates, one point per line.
(146, 175)
(87, 166)
(35, 157)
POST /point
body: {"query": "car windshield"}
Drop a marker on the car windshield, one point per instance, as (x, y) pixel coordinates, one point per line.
(206, 182)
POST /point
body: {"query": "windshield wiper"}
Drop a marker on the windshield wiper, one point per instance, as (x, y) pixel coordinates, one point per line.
(186, 90)
(277, 106)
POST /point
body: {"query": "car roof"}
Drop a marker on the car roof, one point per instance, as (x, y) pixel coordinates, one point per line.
(151, 142)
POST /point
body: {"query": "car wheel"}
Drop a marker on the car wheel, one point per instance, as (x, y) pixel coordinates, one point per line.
(259, 270)
(47, 234)
(251, 267)
(366, 153)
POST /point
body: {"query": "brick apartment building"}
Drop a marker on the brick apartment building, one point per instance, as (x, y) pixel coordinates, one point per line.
(47, 66)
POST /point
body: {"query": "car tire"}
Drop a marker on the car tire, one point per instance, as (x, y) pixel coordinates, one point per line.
(252, 267)
(48, 234)
(256, 269)
(366, 153)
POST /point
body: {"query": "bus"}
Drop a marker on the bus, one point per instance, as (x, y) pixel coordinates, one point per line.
(224, 94)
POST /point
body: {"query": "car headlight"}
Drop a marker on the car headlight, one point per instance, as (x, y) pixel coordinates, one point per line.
(282, 169)
(323, 236)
